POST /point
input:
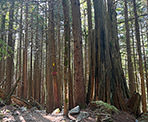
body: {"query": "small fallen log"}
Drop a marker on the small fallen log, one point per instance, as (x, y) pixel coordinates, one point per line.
(35, 104)
(20, 102)
(26, 103)
(8, 97)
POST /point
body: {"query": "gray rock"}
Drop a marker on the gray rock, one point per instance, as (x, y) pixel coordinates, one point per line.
(75, 110)
(23, 109)
(82, 116)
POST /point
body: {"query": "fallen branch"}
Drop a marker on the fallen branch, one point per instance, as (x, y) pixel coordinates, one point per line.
(8, 97)
(35, 104)
(20, 102)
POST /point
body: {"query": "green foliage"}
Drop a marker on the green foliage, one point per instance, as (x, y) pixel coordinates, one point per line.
(4, 49)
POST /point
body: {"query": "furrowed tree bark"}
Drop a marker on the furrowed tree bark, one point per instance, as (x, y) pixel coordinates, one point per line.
(110, 82)
(147, 46)
(118, 81)
(79, 87)
(90, 91)
(2, 37)
(66, 54)
(37, 65)
(20, 52)
(50, 97)
(134, 57)
(97, 47)
(31, 88)
(53, 57)
(25, 54)
(128, 48)
(144, 56)
(140, 57)
(58, 51)
(10, 64)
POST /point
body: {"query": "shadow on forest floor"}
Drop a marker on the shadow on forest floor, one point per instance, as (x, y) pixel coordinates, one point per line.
(21, 114)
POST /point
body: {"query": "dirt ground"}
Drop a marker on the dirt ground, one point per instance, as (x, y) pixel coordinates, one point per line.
(21, 114)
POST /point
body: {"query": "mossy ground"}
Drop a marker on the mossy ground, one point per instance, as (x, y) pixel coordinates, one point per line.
(107, 107)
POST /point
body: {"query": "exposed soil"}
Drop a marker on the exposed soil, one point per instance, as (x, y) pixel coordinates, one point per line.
(21, 114)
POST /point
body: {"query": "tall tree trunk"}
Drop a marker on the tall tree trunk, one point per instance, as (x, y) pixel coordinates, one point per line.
(145, 65)
(11, 42)
(90, 91)
(134, 57)
(25, 54)
(118, 82)
(37, 65)
(2, 38)
(50, 100)
(31, 84)
(42, 92)
(66, 62)
(128, 46)
(147, 46)
(140, 58)
(20, 52)
(59, 75)
(110, 83)
(53, 58)
(79, 87)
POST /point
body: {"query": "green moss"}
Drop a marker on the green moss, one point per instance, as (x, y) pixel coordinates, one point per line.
(106, 106)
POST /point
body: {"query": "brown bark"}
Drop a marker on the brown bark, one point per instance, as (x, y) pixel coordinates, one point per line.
(110, 82)
(128, 46)
(147, 46)
(42, 92)
(25, 54)
(79, 87)
(140, 57)
(37, 62)
(66, 62)
(20, 53)
(53, 58)
(8, 97)
(58, 50)
(97, 45)
(133, 104)
(85, 48)
(2, 38)
(90, 91)
(134, 57)
(9, 68)
(50, 97)
(31, 88)
(145, 64)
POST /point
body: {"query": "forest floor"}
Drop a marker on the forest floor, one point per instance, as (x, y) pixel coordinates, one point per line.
(13, 113)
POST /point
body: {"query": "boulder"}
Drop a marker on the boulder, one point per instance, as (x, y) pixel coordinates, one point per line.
(75, 110)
